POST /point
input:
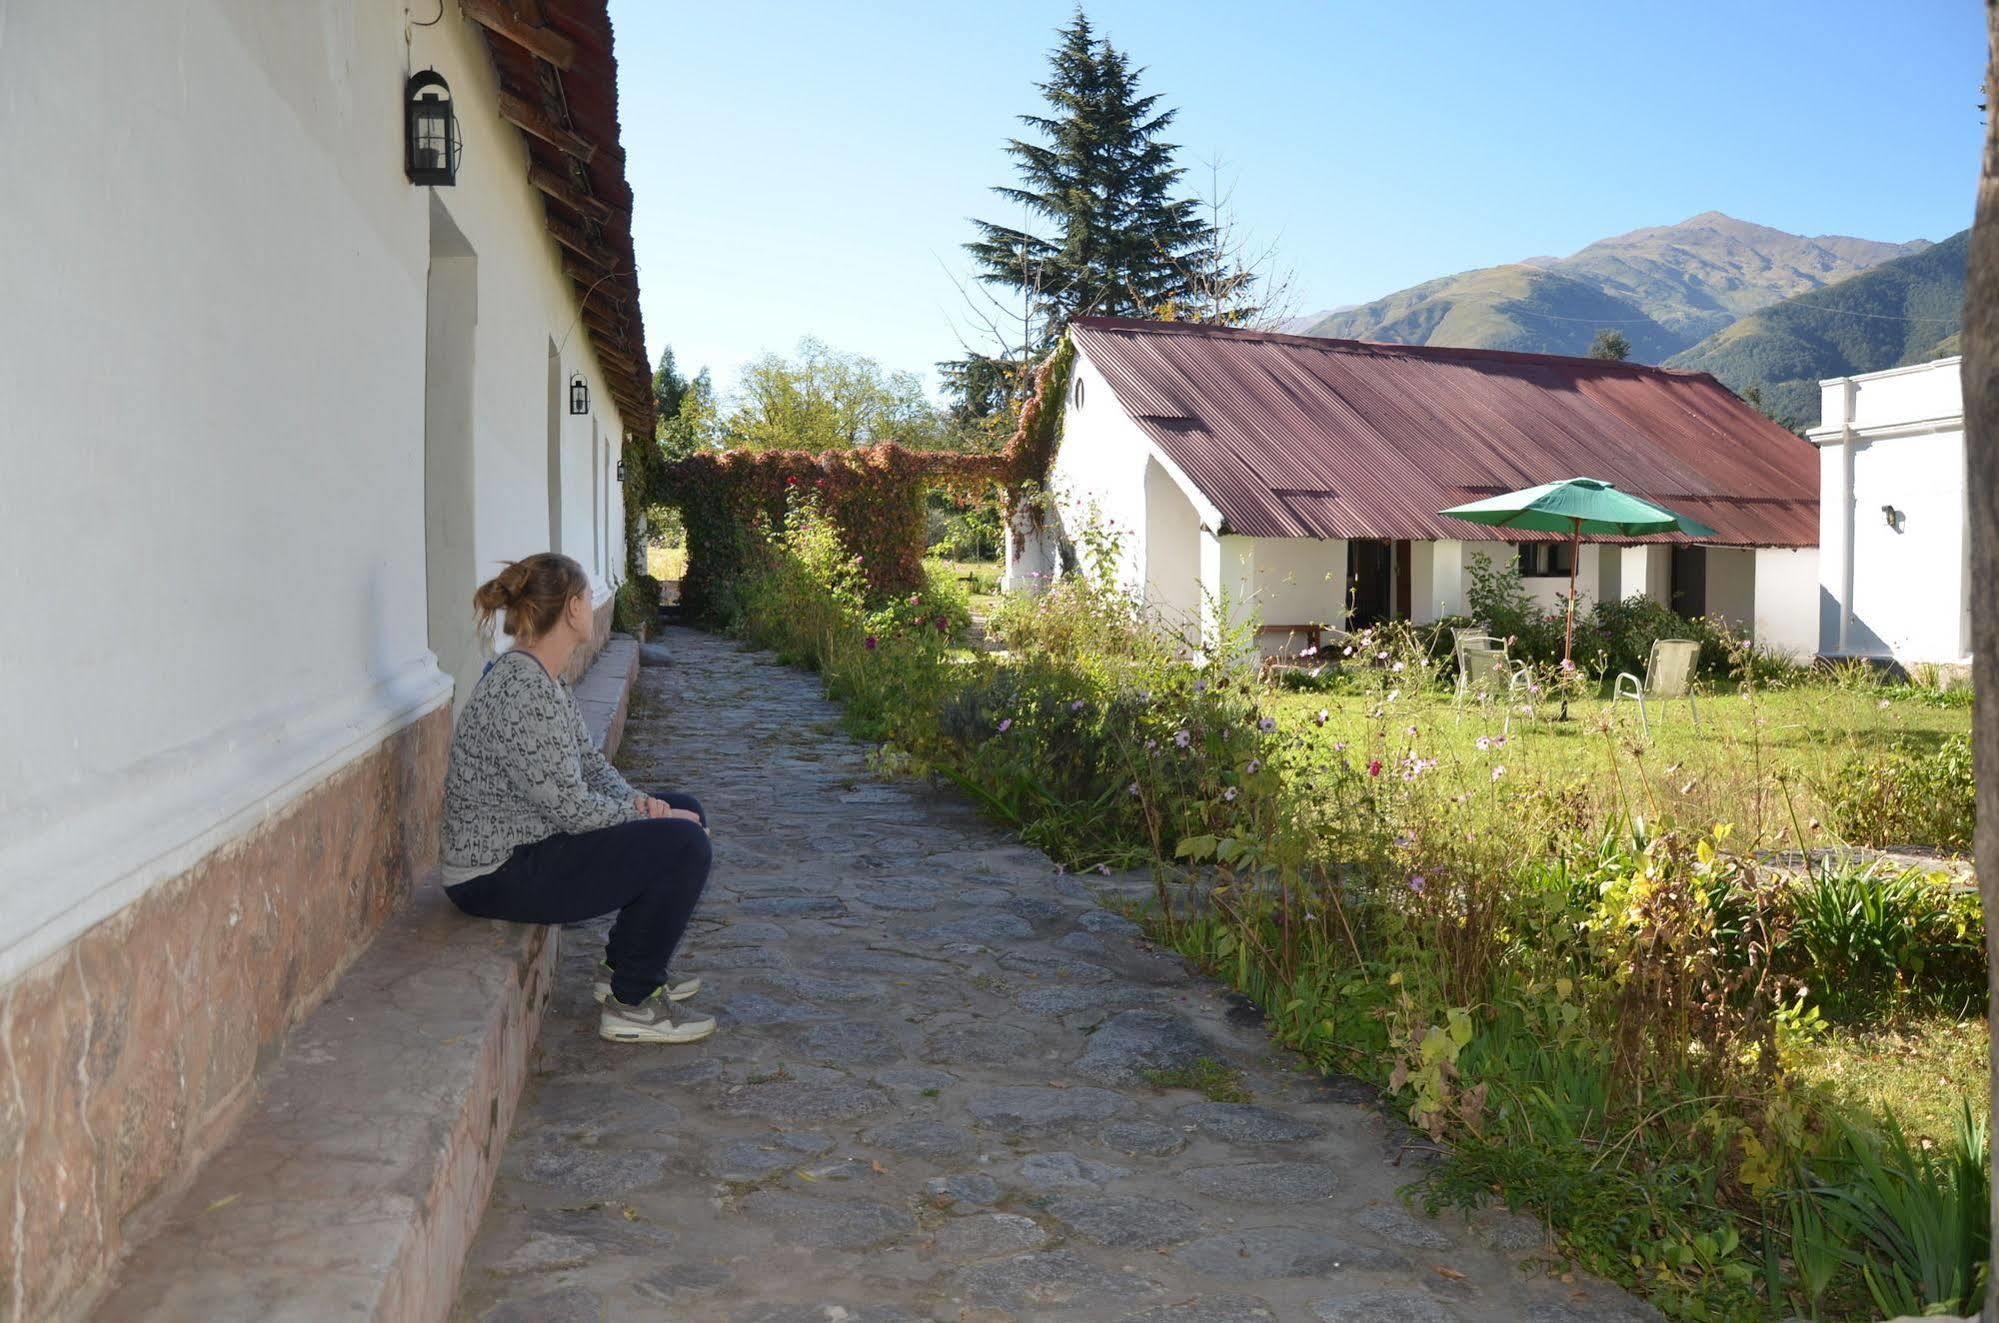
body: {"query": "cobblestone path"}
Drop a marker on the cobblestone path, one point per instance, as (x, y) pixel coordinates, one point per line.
(929, 1097)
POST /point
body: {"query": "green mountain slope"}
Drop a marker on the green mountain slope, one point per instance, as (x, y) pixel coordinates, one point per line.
(1696, 277)
(1664, 286)
(1904, 311)
(1516, 306)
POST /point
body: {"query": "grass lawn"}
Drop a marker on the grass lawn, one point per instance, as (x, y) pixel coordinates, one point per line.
(1754, 760)
(1921, 1070)
(666, 562)
(979, 578)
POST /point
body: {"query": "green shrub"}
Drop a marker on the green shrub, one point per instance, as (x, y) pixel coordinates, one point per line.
(1906, 796)
(1912, 1221)
(1868, 940)
(635, 609)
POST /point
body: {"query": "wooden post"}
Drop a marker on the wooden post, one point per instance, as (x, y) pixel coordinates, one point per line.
(1981, 451)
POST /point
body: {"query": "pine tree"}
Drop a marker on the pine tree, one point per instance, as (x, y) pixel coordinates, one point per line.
(1112, 233)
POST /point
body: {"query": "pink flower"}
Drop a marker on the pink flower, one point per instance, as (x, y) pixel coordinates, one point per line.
(1499, 771)
(1340, 747)
(873, 643)
(1416, 884)
(1255, 766)
(1182, 738)
(1322, 717)
(1132, 789)
(1229, 794)
(1267, 725)
(1105, 869)
(1006, 725)
(1374, 767)
(1568, 665)
(943, 625)
(1076, 706)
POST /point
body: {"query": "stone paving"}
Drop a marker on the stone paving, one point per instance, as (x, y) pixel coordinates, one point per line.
(931, 1096)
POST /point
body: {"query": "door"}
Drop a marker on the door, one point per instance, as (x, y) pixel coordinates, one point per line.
(1689, 581)
(1370, 586)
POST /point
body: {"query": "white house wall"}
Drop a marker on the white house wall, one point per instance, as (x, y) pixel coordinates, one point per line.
(213, 361)
(1100, 471)
(1787, 600)
(1894, 439)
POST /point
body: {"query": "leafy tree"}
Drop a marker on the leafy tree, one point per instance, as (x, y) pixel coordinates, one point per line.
(828, 400)
(688, 419)
(1107, 229)
(1610, 344)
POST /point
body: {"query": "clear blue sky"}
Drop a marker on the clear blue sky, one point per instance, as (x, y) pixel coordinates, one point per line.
(805, 168)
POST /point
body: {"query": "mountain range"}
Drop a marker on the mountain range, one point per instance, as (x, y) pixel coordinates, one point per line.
(1746, 302)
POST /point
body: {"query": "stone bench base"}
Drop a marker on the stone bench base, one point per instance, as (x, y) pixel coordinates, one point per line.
(353, 1187)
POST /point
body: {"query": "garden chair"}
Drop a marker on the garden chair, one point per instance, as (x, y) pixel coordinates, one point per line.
(1669, 673)
(1485, 669)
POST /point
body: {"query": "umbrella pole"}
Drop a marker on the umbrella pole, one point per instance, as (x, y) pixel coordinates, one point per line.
(1575, 550)
(1569, 630)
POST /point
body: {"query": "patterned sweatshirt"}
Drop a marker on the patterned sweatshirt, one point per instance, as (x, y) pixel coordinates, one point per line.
(523, 767)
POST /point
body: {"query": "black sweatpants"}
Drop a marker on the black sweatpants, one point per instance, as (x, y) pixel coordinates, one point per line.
(651, 872)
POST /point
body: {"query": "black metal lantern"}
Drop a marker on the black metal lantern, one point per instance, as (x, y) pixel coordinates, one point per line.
(430, 131)
(621, 470)
(579, 394)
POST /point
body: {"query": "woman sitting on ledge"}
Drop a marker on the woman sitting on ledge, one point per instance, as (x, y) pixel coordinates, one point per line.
(540, 828)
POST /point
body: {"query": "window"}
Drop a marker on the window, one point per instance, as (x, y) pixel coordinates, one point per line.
(1076, 395)
(1546, 560)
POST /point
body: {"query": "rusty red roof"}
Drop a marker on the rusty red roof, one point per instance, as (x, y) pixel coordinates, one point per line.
(1301, 436)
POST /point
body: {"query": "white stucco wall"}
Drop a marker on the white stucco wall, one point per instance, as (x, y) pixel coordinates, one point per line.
(213, 358)
(1894, 439)
(1787, 600)
(1100, 469)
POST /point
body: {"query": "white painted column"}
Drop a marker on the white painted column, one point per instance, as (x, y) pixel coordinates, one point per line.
(1439, 568)
(1033, 558)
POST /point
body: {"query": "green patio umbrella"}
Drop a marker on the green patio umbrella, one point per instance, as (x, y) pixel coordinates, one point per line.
(1577, 506)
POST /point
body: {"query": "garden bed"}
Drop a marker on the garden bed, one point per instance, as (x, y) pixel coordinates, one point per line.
(1571, 953)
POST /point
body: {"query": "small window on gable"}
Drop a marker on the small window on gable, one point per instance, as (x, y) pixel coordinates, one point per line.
(1545, 560)
(1076, 395)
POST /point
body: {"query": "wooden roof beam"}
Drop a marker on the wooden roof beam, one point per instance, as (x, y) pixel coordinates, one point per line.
(554, 185)
(497, 16)
(575, 240)
(528, 118)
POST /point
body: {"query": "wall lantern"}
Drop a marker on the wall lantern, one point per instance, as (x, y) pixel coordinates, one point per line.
(621, 470)
(1893, 516)
(579, 395)
(430, 131)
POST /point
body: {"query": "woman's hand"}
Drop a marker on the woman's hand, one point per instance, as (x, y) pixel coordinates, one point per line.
(659, 808)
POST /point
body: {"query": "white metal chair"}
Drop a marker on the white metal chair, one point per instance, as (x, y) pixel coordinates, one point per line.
(1485, 670)
(1669, 673)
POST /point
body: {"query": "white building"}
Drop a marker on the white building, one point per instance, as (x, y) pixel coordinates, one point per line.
(1300, 478)
(271, 411)
(1895, 532)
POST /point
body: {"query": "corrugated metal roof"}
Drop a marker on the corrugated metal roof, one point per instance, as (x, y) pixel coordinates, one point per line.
(1299, 436)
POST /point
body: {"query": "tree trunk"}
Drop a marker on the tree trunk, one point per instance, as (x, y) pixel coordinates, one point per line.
(1981, 444)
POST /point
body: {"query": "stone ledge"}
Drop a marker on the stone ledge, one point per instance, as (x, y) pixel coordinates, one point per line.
(353, 1188)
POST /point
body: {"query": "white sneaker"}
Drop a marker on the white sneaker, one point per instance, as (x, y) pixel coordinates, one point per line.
(677, 988)
(654, 1020)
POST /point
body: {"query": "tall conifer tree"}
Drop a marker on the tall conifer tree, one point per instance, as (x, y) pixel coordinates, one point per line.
(1107, 231)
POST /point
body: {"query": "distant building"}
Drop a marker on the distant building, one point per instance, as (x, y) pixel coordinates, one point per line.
(1895, 537)
(1301, 477)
